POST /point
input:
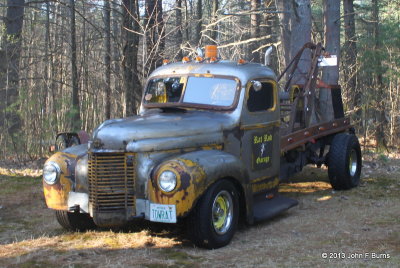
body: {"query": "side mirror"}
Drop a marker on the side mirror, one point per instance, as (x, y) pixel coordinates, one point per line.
(256, 85)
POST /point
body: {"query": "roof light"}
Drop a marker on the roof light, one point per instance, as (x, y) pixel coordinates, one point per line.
(165, 62)
(211, 51)
(241, 61)
(198, 59)
(213, 59)
(185, 59)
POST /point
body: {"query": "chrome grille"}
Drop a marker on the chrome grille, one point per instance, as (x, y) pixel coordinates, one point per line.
(111, 181)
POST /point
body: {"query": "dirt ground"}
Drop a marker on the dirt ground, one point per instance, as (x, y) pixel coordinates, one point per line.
(356, 228)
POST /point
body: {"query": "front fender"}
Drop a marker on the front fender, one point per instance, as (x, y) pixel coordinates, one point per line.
(56, 195)
(196, 171)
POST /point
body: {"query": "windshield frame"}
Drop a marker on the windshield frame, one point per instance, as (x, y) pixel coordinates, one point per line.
(181, 104)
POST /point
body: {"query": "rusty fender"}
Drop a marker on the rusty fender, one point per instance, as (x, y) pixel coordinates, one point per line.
(56, 195)
(195, 172)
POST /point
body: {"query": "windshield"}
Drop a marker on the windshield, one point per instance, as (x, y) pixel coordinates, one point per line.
(191, 91)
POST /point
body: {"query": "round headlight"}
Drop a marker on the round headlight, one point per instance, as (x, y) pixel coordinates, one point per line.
(167, 181)
(51, 171)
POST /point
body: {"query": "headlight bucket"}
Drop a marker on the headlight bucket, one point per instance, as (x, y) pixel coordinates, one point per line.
(167, 181)
(51, 172)
(81, 175)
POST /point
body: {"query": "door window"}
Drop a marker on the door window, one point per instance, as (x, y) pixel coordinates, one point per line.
(261, 98)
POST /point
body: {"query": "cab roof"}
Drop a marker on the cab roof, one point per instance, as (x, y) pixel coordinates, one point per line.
(244, 72)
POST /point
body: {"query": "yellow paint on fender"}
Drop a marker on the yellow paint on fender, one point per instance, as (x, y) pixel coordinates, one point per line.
(190, 185)
(56, 195)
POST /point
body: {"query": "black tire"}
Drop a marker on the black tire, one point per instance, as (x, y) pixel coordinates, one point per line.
(73, 221)
(344, 162)
(203, 224)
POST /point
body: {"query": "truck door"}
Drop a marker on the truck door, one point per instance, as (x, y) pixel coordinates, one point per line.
(260, 123)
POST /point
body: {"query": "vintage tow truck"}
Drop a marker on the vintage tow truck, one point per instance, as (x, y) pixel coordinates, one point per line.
(211, 144)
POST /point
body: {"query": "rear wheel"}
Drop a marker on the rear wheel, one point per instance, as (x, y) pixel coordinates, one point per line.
(74, 221)
(344, 162)
(214, 220)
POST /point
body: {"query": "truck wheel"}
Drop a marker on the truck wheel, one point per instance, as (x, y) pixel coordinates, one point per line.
(344, 162)
(213, 221)
(75, 221)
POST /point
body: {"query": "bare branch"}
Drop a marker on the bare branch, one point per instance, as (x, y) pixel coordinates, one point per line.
(245, 41)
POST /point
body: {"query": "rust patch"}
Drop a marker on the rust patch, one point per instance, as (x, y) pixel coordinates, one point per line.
(190, 185)
(264, 185)
(56, 195)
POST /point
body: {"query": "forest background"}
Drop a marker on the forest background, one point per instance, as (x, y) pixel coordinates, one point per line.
(67, 65)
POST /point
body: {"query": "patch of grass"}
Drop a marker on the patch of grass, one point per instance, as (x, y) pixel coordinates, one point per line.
(36, 263)
(381, 181)
(181, 258)
(389, 221)
(112, 242)
(16, 184)
(74, 236)
(379, 187)
(306, 187)
(394, 239)
(155, 265)
(5, 227)
(383, 158)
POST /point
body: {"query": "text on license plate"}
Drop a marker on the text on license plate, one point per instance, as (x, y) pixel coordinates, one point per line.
(163, 213)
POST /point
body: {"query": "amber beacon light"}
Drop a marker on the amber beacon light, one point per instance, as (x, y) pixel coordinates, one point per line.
(211, 51)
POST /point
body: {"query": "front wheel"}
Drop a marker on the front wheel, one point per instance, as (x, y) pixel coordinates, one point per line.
(344, 162)
(73, 221)
(214, 220)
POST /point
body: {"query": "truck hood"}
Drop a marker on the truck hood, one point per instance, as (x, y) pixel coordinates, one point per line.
(155, 131)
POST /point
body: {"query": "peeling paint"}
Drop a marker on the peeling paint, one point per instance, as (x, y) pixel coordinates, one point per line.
(56, 195)
(190, 185)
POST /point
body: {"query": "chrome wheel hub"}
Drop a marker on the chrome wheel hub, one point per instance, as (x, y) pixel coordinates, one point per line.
(222, 212)
(353, 163)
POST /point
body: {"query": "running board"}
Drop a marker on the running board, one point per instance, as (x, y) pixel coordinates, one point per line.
(267, 208)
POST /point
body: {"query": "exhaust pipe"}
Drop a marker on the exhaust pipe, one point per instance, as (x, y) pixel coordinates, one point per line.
(267, 60)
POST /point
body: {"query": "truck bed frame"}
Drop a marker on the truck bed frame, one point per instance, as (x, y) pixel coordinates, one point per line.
(299, 116)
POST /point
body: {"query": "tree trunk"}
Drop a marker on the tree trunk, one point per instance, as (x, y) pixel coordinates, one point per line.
(75, 112)
(199, 16)
(284, 19)
(155, 41)
(255, 29)
(160, 33)
(379, 86)
(330, 74)
(214, 18)
(300, 34)
(186, 28)
(178, 14)
(107, 57)
(350, 58)
(13, 23)
(116, 33)
(130, 52)
(55, 67)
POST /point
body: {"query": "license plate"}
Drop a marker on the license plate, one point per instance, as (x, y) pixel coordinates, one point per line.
(163, 213)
